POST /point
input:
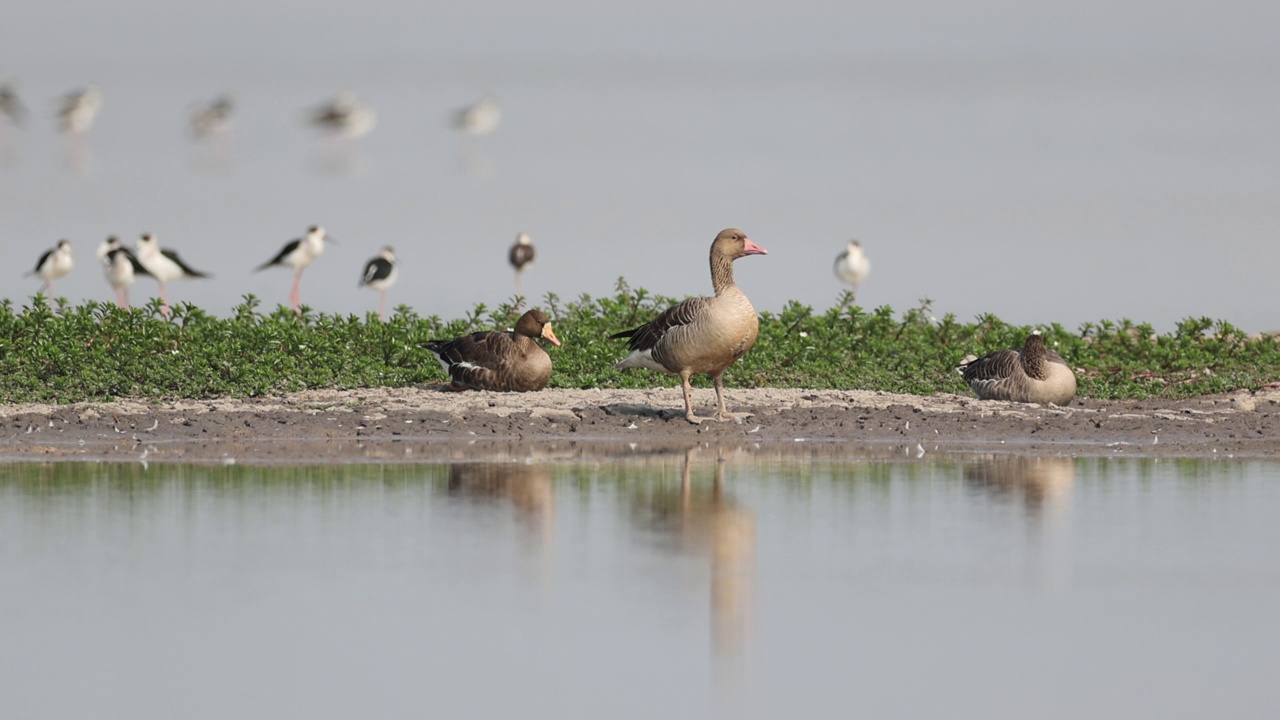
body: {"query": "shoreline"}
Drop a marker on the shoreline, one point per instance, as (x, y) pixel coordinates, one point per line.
(424, 424)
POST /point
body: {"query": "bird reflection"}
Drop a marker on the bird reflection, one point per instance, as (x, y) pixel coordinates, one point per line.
(527, 487)
(706, 521)
(1042, 483)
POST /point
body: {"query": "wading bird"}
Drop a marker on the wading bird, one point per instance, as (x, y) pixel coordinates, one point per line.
(345, 115)
(479, 119)
(298, 254)
(53, 264)
(521, 256)
(79, 109)
(165, 266)
(380, 274)
(121, 268)
(852, 265)
(701, 335)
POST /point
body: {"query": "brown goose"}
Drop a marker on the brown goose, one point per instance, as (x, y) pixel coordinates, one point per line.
(701, 335)
(1034, 374)
(510, 361)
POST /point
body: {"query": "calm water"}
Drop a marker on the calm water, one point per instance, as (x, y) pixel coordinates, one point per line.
(661, 586)
(1053, 162)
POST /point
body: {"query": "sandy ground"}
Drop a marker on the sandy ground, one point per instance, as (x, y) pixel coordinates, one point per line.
(425, 423)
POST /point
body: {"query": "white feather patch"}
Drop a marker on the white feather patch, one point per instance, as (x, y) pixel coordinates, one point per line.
(641, 359)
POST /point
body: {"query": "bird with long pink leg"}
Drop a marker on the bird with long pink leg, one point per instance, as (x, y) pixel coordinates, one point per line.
(121, 268)
(380, 274)
(298, 254)
(165, 266)
(53, 264)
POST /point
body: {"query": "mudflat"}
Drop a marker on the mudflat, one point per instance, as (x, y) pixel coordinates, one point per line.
(419, 424)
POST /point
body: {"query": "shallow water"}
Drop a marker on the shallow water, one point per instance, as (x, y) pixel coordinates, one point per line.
(670, 584)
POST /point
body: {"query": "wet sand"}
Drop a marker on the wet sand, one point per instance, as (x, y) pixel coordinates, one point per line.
(420, 424)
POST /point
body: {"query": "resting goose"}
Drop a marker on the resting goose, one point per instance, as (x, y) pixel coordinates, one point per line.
(380, 274)
(701, 335)
(1034, 374)
(53, 264)
(852, 265)
(164, 265)
(511, 361)
(298, 254)
(521, 256)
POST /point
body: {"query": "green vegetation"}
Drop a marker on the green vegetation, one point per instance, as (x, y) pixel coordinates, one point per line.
(96, 351)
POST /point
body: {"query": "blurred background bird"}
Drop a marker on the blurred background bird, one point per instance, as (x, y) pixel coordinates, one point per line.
(212, 117)
(10, 106)
(852, 266)
(521, 256)
(77, 110)
(479, 119)
(121, 268)
(380, 274)
(345, 115)
(53, 264)
(298, 254)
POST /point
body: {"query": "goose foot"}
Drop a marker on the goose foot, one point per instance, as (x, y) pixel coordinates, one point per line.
(735, 417)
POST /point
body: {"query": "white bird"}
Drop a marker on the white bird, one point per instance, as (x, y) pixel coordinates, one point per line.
(481, 118)
(121, 268)
(164, 265)
(380, 274)
(79, 109)
(212, 117)
(53, 264)
(521, 256)
(298, 254)
(345, 115)
(852, 265)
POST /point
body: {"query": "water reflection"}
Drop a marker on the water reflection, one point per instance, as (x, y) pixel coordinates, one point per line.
(707, 522)
(526, 486)
(1040, 483)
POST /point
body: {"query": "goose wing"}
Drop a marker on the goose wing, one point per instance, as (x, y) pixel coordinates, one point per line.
(647, 336)
(474, 360)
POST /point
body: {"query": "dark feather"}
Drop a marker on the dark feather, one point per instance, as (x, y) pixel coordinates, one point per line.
(289, 247)
(520, 256)
(473, 359)
(647, 336)
(992, 366)
(186, 269)
(378, 268)
(40, 263)
(138, 269)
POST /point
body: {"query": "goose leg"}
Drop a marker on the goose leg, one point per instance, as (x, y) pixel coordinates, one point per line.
(688, 400)
(723, 413)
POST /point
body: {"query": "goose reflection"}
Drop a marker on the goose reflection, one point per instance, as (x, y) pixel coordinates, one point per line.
(1041, 483)
(707, 522)
(526, 486)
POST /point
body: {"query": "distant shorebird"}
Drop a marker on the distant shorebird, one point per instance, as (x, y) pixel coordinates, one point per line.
(298, 254)
(345, 115)
(852, 265)
(79, 109)
(521, 256)
(10, 106)
(121, 268)
(163, 265)
(212, 117)
(1034, 374)
(53, 264)
(479, 119)
(380, 274)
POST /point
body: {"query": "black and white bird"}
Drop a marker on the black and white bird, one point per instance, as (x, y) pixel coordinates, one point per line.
(121, 268)
(479, 119)
(79, 109)
(521, 256)
(165, 266)
(852, 266)
(212, 117)
(345, 115)
(380, 274)
(298, 254)
(53, 264)
(10, 106)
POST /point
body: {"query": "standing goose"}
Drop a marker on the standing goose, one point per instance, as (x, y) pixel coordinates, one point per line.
(53, 264)
(298, 254)
(511, 361)
(701, 335)
(1034, 374)
(852, 265)
(521, 256)
(164, 265)
(121, 268)
(380, 274)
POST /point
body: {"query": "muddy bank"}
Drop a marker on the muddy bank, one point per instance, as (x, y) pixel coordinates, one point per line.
(423, 424)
